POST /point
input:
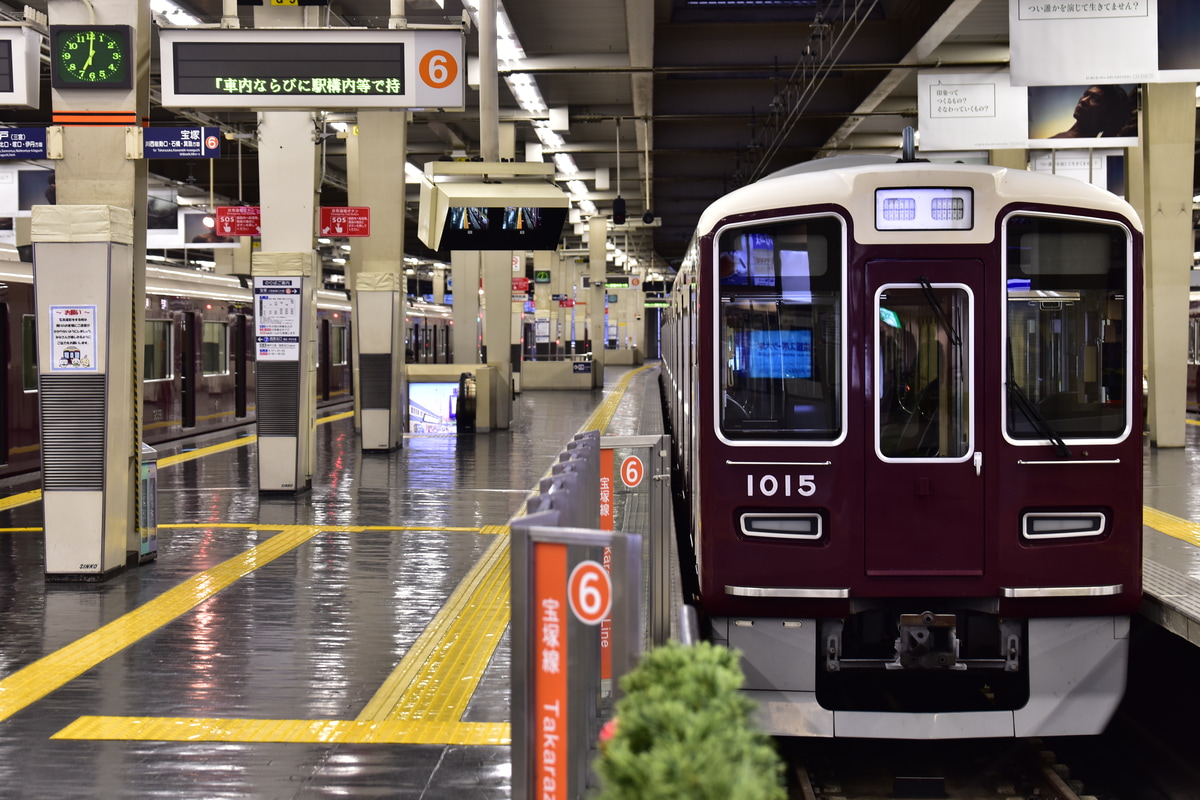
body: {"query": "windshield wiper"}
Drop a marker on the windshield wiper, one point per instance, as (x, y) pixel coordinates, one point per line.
(1037, 419)
(943, 320)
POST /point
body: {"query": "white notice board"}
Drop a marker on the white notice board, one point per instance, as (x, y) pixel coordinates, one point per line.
(277, 326)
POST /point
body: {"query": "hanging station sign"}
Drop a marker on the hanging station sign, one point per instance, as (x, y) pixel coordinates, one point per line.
(20, 66)
(312, 68)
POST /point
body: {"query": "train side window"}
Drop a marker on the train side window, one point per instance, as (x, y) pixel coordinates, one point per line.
(338, 345)
(215, 349)
(1067, 323)
(780, 347)
(29, 363)
(156, 352)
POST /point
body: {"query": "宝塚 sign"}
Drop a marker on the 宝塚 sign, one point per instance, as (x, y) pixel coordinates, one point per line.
(345, 221)
(181, 142)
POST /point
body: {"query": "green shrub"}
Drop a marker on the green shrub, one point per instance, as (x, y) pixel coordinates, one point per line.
(683, 731)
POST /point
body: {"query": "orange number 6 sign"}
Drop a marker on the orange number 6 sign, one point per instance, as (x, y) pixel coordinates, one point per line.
(438, 69)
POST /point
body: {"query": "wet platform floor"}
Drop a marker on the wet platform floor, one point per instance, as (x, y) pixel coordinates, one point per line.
(350, 641)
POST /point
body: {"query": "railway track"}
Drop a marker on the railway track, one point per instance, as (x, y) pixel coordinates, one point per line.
(991, 769)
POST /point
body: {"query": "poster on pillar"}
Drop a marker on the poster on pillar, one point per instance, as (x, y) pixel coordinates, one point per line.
(73, 335)
(970, 111)
(277, 310)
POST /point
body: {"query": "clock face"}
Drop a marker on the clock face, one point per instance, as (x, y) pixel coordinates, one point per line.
(84, 56)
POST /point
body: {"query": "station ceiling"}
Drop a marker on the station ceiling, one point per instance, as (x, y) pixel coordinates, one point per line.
(680, 101)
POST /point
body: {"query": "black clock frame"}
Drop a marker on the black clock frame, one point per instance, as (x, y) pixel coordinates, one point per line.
(123, 34)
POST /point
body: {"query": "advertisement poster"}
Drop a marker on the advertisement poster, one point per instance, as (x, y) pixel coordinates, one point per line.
(971, 111)
(1058, 44)
(1083, 115)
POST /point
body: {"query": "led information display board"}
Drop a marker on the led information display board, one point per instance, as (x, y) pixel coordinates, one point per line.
(20, 66)
(312, 68)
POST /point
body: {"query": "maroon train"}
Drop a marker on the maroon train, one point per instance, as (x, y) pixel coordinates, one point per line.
(906, 408)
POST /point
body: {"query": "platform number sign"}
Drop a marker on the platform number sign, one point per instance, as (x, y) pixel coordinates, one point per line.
(632, 471)
(589, 591)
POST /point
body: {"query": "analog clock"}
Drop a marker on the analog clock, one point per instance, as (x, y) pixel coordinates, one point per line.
(91, 56)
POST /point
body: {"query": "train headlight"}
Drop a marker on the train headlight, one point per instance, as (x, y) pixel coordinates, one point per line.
(766, 525)
(1037, 525)
(925, 208)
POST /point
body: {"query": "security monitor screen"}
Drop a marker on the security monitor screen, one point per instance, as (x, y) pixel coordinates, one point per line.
(510, 228)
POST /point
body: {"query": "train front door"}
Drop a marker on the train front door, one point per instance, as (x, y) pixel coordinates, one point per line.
(924, 511)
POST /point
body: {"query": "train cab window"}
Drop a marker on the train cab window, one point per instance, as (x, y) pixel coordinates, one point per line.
(156, 352)
(215, 350)
(1067, 347)
(29, 363)
(780, 330)
(923, 371)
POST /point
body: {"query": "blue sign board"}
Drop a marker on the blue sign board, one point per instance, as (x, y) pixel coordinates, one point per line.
(181, 142)
(22, 143)
(581, 367)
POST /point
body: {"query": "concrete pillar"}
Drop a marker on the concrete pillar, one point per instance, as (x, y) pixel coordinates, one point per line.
(465, 273)
(286, 378)
(497, 316)
(439, 284)
(95, 173)
(597, 270)
(1168, 142)
(379, 289)
(1010, 159)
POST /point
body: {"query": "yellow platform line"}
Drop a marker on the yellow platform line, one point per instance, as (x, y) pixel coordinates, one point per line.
(47, 674)
(24, 498)
(307, 731)
(1171, 525)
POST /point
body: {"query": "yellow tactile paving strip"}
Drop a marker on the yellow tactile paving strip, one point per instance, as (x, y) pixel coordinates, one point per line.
(1163, 522)
(35, 681)
(421, 702)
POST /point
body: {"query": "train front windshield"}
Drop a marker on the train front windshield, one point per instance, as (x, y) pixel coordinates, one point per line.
(1067, 349)
(781, 299)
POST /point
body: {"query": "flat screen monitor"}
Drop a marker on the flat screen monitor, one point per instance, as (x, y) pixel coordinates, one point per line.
(781, 353)
(433, 407)
(505, 228)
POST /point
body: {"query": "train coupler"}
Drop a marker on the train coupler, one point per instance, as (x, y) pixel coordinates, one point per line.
(927, 641)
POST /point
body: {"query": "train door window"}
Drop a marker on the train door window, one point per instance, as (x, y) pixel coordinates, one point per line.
(214, 352)
(338, 345)
(156, 352)
(780, 354)
(29, 364)
(1067, 352)
(923, 371)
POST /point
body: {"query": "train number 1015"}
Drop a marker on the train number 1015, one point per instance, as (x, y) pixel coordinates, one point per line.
(771, 485)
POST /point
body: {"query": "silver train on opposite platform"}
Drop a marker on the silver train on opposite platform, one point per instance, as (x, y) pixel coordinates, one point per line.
(197, 355)
(905, 400)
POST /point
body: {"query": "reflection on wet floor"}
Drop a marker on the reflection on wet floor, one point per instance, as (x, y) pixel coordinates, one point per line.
(381, 543)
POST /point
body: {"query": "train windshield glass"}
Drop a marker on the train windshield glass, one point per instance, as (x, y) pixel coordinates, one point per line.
(1067, 349)
(780, 313)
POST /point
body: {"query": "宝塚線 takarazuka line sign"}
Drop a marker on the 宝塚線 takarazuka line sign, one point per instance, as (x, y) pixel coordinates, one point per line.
(181, 142)
(312, 68)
